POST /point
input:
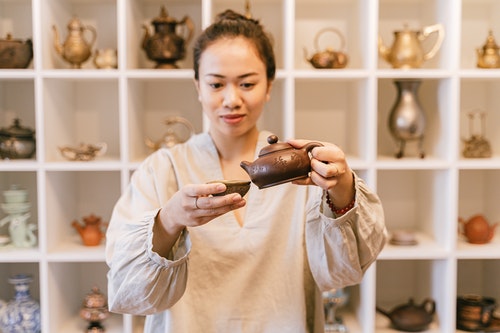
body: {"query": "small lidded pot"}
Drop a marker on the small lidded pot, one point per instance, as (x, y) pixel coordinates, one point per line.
(17, 142)
(94, 310)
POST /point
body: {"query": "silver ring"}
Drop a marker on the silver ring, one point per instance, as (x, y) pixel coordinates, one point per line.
(196, 202)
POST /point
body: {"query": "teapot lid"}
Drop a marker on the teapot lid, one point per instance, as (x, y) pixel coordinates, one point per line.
(163, 18)
(74, 24)
(16, 130)
(273, 146)
(490, 42)
(95, 299)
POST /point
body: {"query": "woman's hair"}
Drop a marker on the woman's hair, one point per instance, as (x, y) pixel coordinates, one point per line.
(230, 24)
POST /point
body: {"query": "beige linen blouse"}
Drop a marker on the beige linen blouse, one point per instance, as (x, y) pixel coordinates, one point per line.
(262, 277)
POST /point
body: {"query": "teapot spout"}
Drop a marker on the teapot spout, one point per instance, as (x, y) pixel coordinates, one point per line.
(247, 167)
(57, 42)
(383, 50)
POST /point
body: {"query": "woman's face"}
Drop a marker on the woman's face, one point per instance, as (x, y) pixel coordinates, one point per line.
(232, 87)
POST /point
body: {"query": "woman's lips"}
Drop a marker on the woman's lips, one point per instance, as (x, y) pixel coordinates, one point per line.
(233, 118)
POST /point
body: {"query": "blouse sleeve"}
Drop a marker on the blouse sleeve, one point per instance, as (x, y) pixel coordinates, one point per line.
(341, 249)
(140, 281)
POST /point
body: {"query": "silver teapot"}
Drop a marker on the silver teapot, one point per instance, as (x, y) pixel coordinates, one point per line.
(17, 142)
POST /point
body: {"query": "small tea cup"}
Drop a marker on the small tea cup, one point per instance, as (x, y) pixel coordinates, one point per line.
(233, 186)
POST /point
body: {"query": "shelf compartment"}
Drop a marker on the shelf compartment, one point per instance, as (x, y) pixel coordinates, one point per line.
(81, 111)
(347, 17)
(101, 15)
(436, 107)
(140, 13)
(333, 111)
(413, 201)
(478, 276)
(480, 96)
(68, 284)
(71, 195)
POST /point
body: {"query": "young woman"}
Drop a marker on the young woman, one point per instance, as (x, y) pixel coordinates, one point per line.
(193, 262)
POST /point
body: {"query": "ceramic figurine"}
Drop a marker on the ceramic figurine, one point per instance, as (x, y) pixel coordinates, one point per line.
(76, 49)
(21, 314)
(17, 207)
(407, 51)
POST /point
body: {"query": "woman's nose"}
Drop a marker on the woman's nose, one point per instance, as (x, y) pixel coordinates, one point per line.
(232, 99)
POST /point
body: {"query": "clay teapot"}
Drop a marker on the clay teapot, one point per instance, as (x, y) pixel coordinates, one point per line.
(328, 58)
(166, 47)
(76, 49)
(488, 56)
(179, 130)
(406, 50)
(411, 317)
(477, 230)
(91, 231)
(15, 53)
(279, 163)
(17, 142)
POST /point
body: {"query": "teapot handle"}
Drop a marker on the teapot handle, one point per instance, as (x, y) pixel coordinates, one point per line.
(308, 147)
(336, 31)
(93, 32)
(188, 23)
(429, 30)
(429, 306)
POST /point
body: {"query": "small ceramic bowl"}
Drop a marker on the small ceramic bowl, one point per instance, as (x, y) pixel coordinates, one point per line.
(233, 186)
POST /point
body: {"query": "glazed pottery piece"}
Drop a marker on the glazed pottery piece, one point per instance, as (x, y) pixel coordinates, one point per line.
(476, 145)
(106, 59)
(17, 142)
(15, 53)
(411, 317)
(166, 46)
(475, 312)
(91, 230)
(21, 314)
(407, 118)
(333, 299)
(407, 51)
(233, 186)
(329, 58)
(477, 230)
(279, 163)
(76, 49)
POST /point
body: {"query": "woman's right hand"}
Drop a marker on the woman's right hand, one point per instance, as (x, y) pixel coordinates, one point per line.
(193, 205)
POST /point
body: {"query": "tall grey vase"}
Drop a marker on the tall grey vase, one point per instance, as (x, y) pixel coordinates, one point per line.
(407, 117)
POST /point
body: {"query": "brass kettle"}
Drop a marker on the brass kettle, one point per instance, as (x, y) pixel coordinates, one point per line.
(329, 58)
(166, 47)
(76, 49)
(488, 56)
(179, 130)
(407, 51)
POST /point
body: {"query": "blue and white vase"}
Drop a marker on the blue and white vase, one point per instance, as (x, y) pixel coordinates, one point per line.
(21, 314)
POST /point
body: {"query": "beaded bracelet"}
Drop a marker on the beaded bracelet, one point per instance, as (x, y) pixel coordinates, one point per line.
(339, 211)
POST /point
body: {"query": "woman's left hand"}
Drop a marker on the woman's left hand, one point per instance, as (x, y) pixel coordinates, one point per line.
(330, 171)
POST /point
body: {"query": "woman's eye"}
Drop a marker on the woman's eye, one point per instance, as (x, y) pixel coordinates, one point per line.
(215, 85)
(247, 85)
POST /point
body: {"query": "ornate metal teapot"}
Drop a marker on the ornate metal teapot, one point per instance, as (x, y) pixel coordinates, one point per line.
(406, 50)
(328, 58)
(165, 47)
(15, 53)
(488, 56)
(279, 163)
(17, 142)
(179, 130)
(75, 50)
